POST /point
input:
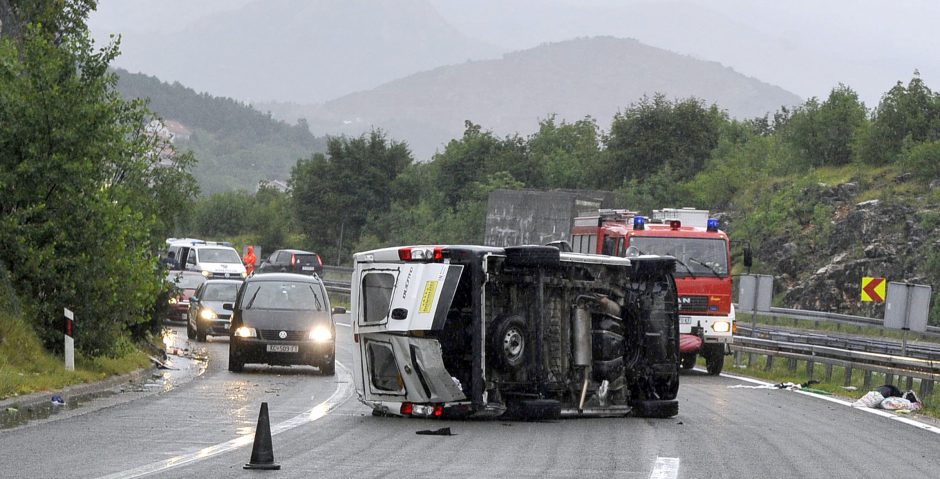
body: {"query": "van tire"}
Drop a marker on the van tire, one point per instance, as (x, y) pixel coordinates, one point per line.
(509, 344)
(189, 331)
(688, 361)
(200, 334)
(714, 358)
(235, 362)
(532, 256)
(328, 369)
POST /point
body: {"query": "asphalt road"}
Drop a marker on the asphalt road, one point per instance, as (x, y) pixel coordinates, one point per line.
(203, 428)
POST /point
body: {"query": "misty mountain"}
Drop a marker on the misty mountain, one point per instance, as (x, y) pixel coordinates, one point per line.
(235, 145)
(291, 50)
(594, 77)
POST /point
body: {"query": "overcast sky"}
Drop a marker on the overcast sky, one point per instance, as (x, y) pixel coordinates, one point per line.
(805, 46)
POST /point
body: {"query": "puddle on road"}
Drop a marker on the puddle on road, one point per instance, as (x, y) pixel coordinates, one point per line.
(184, 364)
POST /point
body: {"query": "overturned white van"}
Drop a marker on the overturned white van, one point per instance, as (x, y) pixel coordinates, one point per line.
(473, 331)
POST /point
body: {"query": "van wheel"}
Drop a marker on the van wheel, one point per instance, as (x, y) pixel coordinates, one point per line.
(328, 369)
(658, 409)
(532, 256)
(189, 331)
(509, 342)
(200, 335)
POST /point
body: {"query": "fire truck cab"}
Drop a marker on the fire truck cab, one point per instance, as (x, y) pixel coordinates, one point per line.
(703, 269)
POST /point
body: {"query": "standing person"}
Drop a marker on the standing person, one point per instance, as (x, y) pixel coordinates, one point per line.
(249, 260)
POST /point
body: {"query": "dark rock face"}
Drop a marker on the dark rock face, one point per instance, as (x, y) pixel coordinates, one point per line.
(823, 271)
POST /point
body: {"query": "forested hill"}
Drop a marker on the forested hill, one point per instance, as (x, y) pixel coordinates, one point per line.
(594, 77)
(235, 145)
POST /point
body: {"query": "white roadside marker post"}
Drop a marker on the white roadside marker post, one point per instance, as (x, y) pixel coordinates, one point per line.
(69, 342)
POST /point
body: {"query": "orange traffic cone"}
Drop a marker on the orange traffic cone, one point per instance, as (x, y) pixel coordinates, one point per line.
(262, 453)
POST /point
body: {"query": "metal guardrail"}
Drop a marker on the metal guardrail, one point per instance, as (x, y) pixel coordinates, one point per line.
(927, 370)
(932, 331)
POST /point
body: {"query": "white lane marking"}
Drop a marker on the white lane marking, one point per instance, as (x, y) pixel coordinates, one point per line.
(665, 468)
(339, 396)
(877, 412)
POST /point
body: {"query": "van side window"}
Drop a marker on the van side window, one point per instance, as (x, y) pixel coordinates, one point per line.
(383, 367)
(376, 296)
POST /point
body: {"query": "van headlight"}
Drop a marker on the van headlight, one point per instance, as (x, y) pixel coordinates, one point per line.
(320, 334)
(172, 301)
(207, 313)
(721, 326)
(246, 332)
(206, 273)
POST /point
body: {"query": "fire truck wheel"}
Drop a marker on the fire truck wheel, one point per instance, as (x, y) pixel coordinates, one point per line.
(509, 342)
(688, 361)
(532, 256)
(714, 358)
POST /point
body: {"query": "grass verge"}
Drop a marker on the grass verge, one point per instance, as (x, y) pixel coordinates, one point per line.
(26, 367)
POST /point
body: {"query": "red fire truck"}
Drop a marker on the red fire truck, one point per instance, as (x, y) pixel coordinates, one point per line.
(703, 269)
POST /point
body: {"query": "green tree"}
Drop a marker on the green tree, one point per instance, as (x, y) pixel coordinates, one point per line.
(334, 194)
(568, 154)
(657, 135)
(83, 178)
(906, 114)
(822, 133)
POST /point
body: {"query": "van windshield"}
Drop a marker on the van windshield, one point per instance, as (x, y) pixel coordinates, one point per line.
(218, 255)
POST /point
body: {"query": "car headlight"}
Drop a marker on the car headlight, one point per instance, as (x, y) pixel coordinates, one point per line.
(206, 273)
(321, 334)
(244, 274)
(721, 326)
(172, 301)
(246, 332)
(207, 313)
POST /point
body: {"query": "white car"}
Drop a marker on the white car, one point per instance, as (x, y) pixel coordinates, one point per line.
(213, 261)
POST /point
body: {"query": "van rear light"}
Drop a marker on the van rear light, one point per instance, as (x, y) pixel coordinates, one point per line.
(406, 408)
(438, 410)
(293, 260)
(421, 254)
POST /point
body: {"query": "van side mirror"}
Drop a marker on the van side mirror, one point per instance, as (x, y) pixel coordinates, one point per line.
(748, 256)
(339, 310)
(228, 306)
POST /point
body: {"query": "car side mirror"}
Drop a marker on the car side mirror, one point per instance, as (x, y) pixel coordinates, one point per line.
(228, 306)
(339, 310)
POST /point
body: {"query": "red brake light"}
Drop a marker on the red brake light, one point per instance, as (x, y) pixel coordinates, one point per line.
(404, 254)
(406, 408)
(675, 224)
(438, 253)
(438, 410)
(421, 254)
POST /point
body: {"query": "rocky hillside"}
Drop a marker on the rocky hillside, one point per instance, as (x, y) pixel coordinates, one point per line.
(886, 225)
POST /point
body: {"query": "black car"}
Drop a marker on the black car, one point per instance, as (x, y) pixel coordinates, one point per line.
(283, 319)
(292, 261)
(206, 316)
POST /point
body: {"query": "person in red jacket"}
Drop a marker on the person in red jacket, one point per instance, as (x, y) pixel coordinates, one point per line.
(249, 260)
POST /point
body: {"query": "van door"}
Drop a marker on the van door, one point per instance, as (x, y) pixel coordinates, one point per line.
(404, 297)
(389, 300)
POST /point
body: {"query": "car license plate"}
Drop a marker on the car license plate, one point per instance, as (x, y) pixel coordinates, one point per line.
(283, 348)
(685, 319)
(307, 268)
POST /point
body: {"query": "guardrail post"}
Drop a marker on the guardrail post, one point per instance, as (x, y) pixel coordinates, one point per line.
(809, 369)
(910, 383)
(848, 376)
(889, 378)
(770, 363)
(751, 359)
(791, 364)
(867, 383)
(926, 388)
(828, 373)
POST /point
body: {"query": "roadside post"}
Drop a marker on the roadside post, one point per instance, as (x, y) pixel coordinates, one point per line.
(69, 342)
(755, 294)
(906, 309)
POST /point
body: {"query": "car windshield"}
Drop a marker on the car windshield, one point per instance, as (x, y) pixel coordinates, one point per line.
(185, 281)
(288, 295)
(698, 256)
(218, 255)
(220, 292)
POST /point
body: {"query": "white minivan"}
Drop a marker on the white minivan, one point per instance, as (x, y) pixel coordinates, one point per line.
(213, 261)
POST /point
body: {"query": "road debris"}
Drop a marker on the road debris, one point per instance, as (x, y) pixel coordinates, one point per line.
(444, 431)
(890, 398)
(58, 401)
